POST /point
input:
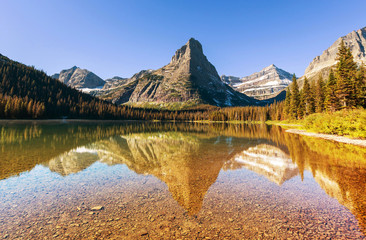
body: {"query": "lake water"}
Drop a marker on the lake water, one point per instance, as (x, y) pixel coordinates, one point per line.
(115, 180)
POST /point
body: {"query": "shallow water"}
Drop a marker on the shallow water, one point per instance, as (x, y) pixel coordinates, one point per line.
(177, 181)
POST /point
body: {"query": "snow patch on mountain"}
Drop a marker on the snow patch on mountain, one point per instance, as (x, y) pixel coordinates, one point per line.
(261, 85)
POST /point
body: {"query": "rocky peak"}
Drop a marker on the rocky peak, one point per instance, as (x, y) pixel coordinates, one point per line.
(272, 66)
(186, 52)
(79, 78)
(355, 40)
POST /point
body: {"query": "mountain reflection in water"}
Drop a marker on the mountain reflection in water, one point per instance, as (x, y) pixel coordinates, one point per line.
(189, 158)
(187, 163)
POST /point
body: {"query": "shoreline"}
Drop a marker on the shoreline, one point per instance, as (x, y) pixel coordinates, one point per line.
(336, 138)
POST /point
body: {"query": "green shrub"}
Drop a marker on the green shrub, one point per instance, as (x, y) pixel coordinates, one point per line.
(346, 123)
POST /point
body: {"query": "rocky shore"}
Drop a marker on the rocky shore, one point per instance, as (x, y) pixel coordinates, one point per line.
(342, 139)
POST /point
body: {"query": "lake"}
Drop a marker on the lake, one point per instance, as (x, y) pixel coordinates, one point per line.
(138, 180)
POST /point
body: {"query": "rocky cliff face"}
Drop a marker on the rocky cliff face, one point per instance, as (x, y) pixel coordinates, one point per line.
(264, 84)
(79, 78)
(189, 77)
(321, 65)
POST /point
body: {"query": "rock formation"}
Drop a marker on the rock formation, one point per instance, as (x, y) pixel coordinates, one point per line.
(321, 65)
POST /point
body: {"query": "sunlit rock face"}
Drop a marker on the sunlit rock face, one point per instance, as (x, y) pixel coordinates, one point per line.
(266, 160)
(321, 65)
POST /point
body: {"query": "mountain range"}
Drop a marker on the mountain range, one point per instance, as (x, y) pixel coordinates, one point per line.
(188, 80)
(191, 79)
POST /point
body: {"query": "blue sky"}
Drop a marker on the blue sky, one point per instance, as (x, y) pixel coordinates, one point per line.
(120, 38)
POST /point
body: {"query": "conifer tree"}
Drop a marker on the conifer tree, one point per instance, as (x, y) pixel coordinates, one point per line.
(346, 77)
(295, 98)
(286, 108)
(331, 102)
(308, 98)
(301, 107)
(319, 95)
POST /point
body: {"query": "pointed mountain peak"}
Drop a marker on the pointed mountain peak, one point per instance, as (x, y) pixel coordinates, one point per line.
(272, 66)
(193, 43)
(192, 47)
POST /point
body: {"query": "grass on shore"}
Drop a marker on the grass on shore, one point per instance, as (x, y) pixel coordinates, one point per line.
(345, 123)
(350, 123)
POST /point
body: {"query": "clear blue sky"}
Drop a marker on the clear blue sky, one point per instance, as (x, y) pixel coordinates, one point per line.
(123, 37)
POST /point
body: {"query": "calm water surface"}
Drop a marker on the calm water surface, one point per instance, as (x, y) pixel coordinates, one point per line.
(93, 180)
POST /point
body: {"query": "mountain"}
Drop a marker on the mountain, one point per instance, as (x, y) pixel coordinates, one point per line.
(322, 64)
(79, 78)
(189, 78)
(265, 84)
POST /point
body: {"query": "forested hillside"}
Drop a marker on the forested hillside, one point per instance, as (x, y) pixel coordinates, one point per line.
(344, 89)
(26, 92)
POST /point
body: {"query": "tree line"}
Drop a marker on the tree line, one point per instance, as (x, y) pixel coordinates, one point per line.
(344, 89)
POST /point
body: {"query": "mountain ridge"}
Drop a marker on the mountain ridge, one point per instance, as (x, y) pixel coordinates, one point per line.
(321, 64)
(265, 84)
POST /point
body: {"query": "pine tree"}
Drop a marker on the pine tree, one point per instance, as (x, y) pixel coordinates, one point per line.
(301, 108)
(295, 98)
(319, 95)
(286, 108)
(308, 98)
(346, 77)
(331, 102)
